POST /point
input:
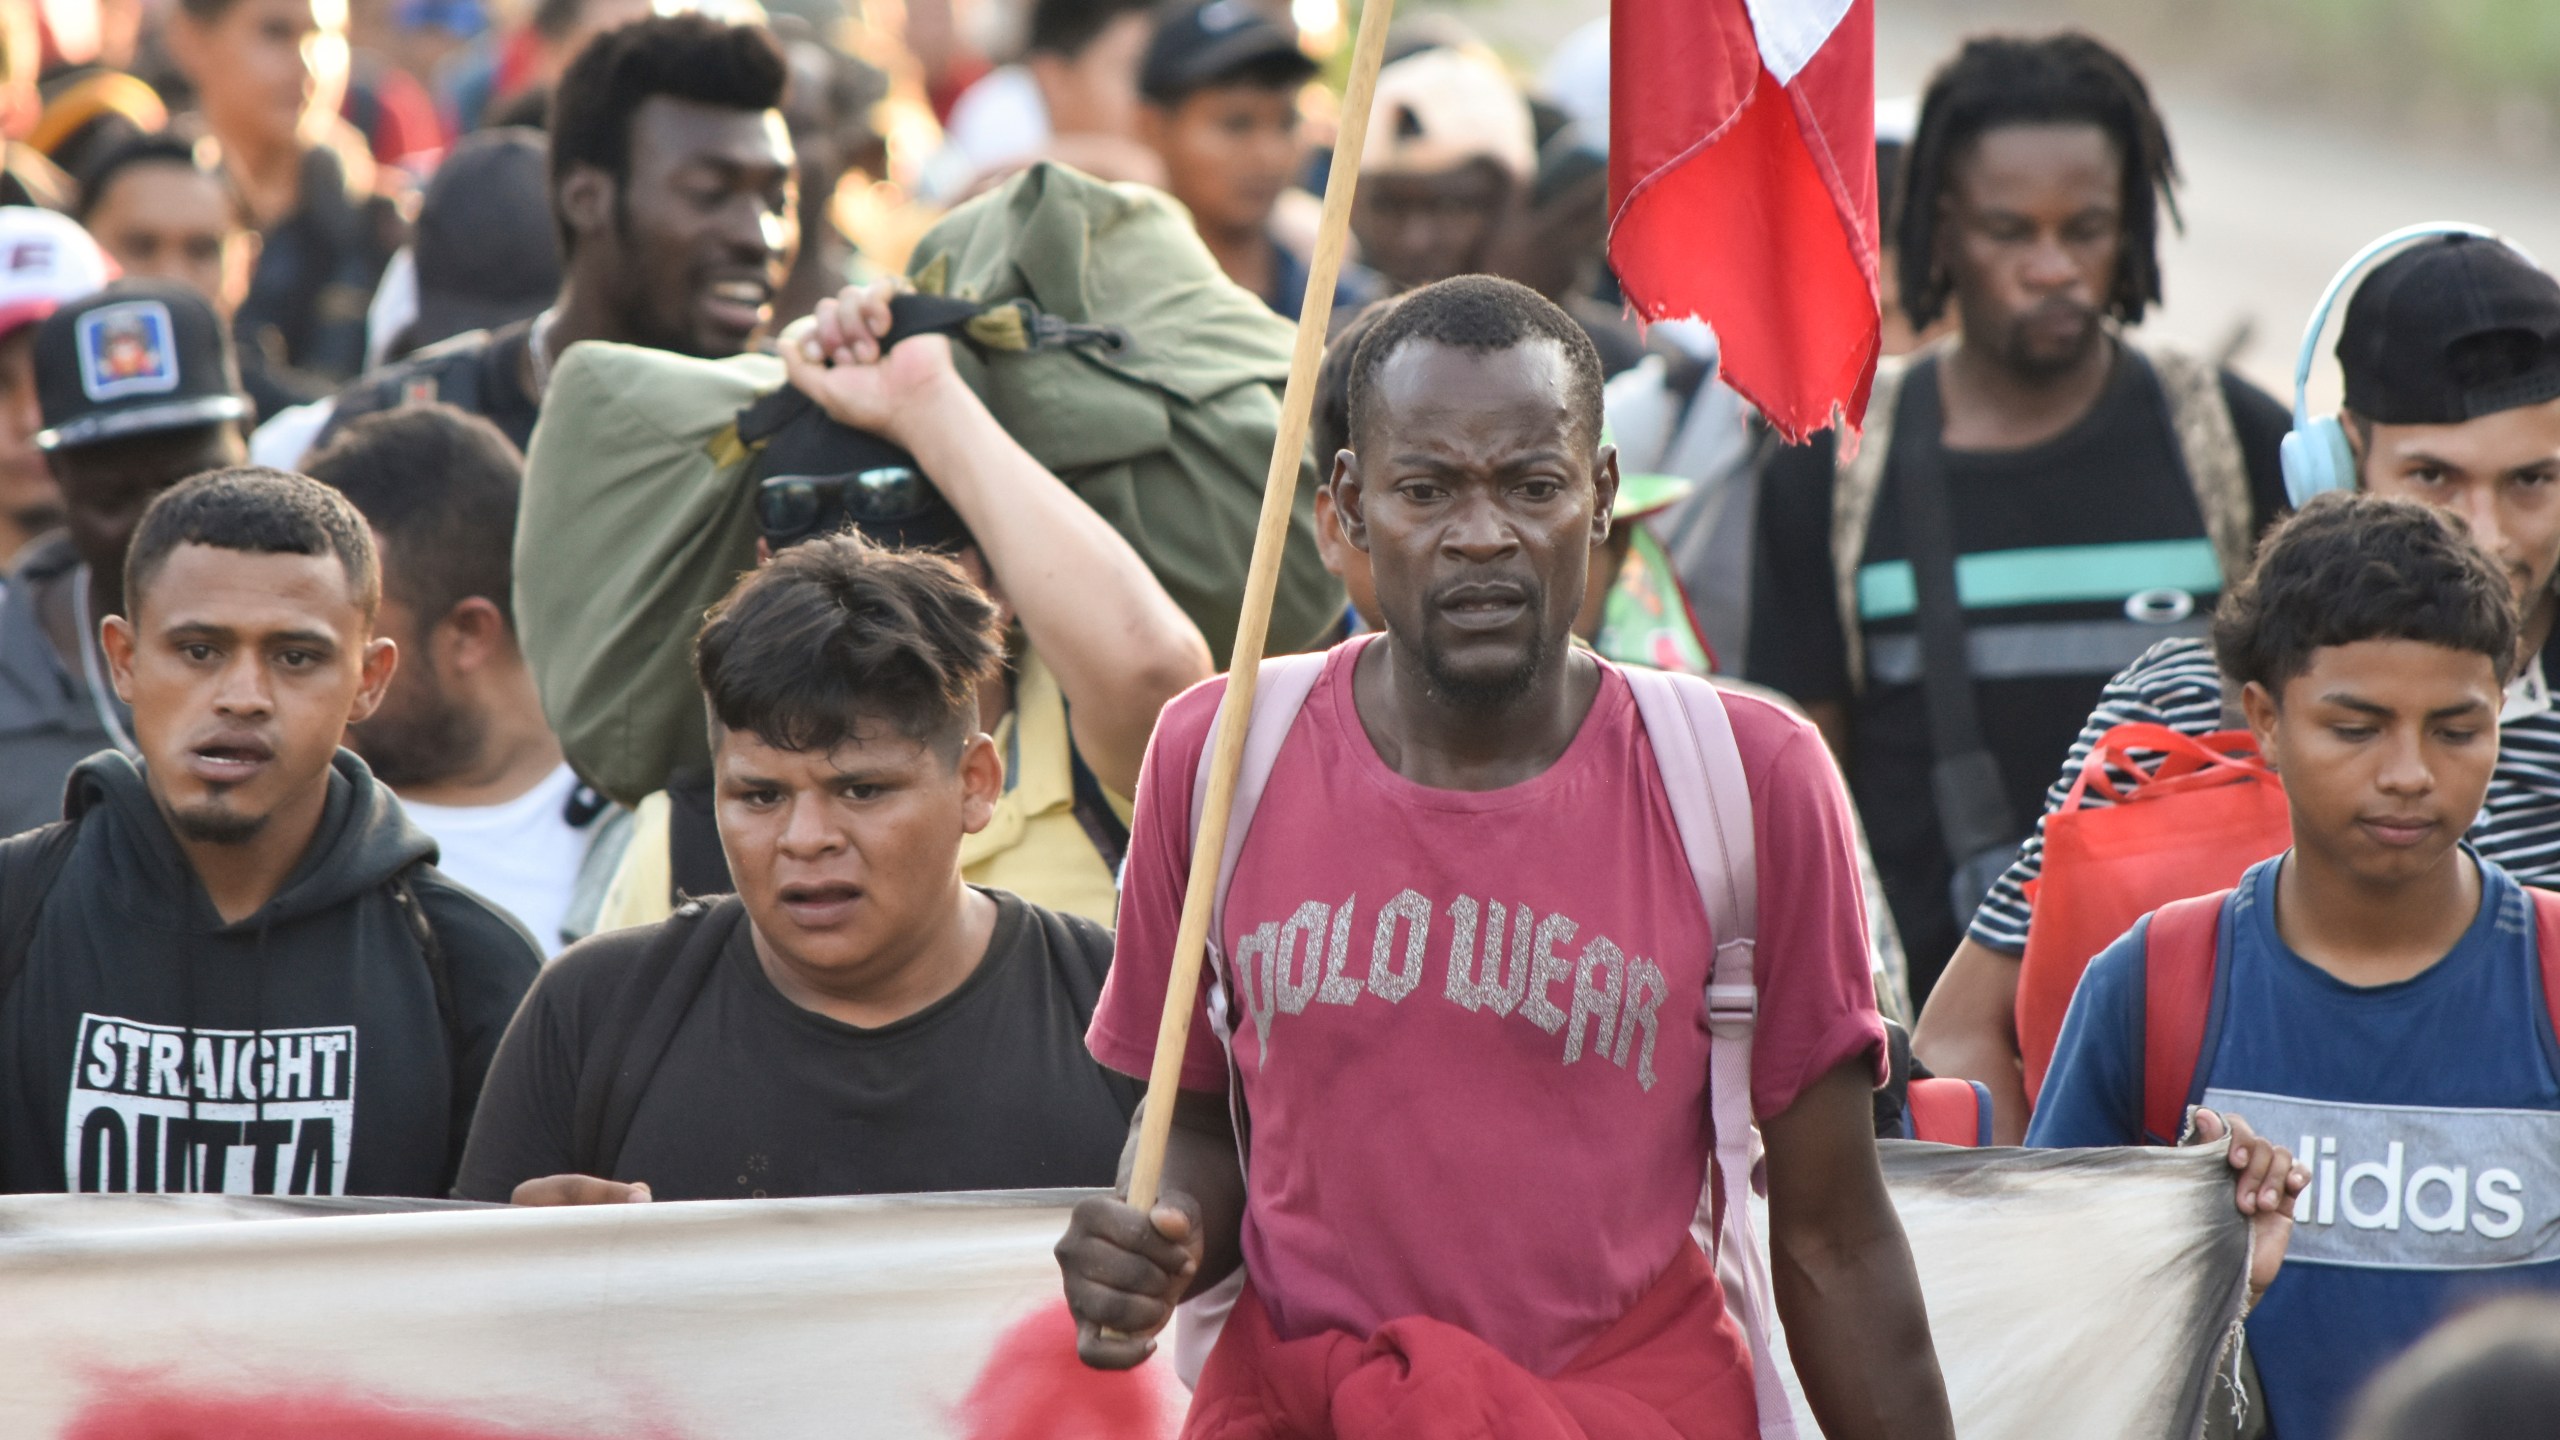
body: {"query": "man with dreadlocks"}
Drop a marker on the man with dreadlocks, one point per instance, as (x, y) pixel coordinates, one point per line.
(2038, 500)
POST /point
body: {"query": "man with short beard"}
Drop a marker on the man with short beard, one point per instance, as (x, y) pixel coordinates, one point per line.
(675, 195)
(460, 736)
(234, 968)
(1434, 1139)
(2090, 497)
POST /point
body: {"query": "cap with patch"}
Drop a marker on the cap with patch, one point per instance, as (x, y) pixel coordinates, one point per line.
(138, 358)
(1197, 45)
(45, 261)
(2450, 330)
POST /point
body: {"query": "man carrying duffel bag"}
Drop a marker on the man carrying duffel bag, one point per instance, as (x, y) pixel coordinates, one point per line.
(1099, 333)
(2451, 357)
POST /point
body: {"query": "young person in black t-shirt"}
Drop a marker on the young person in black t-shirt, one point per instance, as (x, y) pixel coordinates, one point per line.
(235, 968)
(2094, 496)
(856, 1019)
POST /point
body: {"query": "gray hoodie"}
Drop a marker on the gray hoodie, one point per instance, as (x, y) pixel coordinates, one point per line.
(149, 1046)
(49, 717)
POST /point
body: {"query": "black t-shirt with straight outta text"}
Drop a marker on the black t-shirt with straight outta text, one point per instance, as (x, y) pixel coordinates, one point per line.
(988, 1088)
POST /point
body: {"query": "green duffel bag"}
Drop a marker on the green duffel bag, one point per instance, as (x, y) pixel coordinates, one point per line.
(636, 513)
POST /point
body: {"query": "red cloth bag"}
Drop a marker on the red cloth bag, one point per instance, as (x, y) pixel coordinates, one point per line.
(2207, 809)
(1674, 1367)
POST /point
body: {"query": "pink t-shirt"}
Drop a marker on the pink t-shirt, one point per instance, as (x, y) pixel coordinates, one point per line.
(1471, 1025)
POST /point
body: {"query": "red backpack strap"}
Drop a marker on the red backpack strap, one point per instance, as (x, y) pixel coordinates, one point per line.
(2177, 1002)
(2546, 936)
(1949, 1111)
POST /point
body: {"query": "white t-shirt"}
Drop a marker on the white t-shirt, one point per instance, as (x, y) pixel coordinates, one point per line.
(286, 438)
(1000, 120)
(522, 854)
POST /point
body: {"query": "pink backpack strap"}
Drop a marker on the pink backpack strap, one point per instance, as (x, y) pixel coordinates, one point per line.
(1693, 747)
(1279, 694)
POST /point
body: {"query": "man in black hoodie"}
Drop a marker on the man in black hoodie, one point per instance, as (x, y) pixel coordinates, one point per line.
(235, 967)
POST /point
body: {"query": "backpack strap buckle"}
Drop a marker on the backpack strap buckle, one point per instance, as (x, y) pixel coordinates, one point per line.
(1730, 1006)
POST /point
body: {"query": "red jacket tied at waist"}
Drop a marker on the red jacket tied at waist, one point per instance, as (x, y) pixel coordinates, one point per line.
(1671, 1368)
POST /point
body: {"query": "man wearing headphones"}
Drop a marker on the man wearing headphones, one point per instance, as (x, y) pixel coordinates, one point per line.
(2451, 356)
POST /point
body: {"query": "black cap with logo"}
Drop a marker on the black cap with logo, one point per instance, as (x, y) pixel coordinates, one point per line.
(2448, 331)
(137, 358)
(1199, 43)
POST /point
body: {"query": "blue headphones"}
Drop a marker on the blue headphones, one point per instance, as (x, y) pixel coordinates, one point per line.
(2316, 455)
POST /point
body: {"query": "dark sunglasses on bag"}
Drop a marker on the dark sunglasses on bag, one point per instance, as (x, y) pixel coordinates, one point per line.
(815, 477)
(792, 508)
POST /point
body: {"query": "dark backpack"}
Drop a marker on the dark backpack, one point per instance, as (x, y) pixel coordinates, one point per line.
(29, 864)
(665, 981)
(453, 371)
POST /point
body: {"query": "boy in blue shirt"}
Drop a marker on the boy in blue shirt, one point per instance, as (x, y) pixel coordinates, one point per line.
(2375, 996)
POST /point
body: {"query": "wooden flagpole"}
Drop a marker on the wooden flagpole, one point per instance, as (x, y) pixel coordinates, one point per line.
(1279, 495)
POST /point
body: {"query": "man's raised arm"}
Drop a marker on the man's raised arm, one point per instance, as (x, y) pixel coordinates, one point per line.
(1098, 617)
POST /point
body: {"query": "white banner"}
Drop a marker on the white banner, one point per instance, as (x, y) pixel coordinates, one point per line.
(2081, 1294)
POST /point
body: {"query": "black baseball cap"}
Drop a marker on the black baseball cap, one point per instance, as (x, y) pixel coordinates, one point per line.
(137, 358)
(2450, 330)
(487, 251)
(1199, 43)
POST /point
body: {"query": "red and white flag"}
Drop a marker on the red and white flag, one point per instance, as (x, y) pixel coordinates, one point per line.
(1742, 180)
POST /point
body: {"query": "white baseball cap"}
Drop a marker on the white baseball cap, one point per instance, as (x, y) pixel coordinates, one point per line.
(1439, 109)
(46, 262)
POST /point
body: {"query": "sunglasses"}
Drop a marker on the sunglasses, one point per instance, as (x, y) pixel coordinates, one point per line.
(792, 508)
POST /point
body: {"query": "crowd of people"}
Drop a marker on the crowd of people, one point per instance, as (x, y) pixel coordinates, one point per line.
(650, 581)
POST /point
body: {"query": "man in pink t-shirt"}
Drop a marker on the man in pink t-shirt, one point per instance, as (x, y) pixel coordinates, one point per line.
(1468, 958)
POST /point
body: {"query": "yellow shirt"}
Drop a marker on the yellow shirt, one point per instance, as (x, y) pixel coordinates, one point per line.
(1033, 846)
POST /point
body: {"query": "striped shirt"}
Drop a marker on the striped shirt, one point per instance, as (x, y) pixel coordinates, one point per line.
(2175, 684)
